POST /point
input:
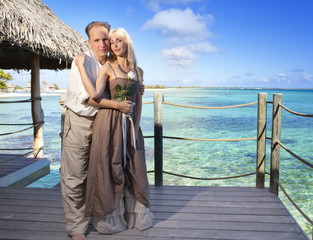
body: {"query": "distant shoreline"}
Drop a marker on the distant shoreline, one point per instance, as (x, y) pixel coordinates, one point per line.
(59, 92)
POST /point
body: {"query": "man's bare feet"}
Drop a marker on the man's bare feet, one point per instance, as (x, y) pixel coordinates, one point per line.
(79, 237)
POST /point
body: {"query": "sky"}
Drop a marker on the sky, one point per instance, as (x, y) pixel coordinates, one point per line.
(203, 43)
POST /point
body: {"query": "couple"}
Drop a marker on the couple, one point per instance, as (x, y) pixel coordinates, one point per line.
(102, 133)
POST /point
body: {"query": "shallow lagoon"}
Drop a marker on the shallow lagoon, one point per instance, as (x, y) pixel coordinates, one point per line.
(193, 158)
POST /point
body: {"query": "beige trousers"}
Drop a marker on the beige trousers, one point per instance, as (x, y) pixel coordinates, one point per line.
(77, 131)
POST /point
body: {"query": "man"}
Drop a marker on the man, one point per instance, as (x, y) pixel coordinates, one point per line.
(77, 130)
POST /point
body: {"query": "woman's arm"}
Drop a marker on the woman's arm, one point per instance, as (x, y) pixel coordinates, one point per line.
(93, 91)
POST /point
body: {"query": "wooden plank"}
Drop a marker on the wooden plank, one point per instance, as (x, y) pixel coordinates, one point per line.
(25, 173)
(30, 213)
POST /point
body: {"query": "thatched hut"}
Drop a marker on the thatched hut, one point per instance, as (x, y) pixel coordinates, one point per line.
(29, 26)
(32, 37)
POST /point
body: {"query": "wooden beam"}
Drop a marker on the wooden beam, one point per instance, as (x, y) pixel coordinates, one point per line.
(37, 112)
(261, 140)
(158, 140)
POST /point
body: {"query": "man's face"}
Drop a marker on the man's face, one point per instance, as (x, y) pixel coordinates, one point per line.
(99, 42)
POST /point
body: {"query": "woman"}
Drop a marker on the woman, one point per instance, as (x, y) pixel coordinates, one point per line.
(117, 184)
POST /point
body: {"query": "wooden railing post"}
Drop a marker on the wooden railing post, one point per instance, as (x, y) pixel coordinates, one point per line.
(63, 111)
(275, 148)
(158, 140)
(37, 112)
(261, 140)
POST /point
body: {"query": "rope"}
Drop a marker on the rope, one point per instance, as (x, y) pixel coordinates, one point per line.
(14, 149)
(207, 140)
(212, 140)
(293, 154)
(197, 178)
(224, 107)
(296, 113)
(9, 133)
(148, 102)
(22, 101)
(11, 159)
(22, 155)
(293, 203)
(148, 137)
(15, 124)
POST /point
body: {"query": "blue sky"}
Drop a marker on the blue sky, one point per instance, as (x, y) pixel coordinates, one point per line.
(205, 43)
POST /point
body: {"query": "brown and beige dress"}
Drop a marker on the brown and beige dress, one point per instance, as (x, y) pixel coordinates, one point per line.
(117, 192)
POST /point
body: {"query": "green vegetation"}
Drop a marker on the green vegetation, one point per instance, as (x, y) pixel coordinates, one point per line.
(4, 77)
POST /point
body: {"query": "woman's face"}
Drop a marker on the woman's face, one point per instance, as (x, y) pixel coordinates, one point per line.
(118, 46)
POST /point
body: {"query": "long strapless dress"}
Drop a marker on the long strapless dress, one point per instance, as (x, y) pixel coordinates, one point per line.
(117, 192)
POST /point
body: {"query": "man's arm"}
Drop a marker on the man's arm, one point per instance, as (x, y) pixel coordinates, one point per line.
(124, 107)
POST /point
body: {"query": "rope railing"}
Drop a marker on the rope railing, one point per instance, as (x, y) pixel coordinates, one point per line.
(11, 159)
(296, 113)
(294, 204)
(275, 152)
(22, 130)
(23, 101)
(211, 140)
(221, 107)
(158, 136)
(295, 155)
(14, 149)
(207, 140)
(21, 155)
(15, 124)
(208, 179)
(148, 102)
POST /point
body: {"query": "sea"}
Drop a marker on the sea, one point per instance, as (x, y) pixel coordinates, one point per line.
(201, 159)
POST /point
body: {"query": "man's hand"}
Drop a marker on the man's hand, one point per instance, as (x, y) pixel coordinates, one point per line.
(125, 107)
(141, 89)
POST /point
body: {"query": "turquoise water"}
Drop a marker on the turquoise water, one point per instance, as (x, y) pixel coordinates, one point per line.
(194, 158)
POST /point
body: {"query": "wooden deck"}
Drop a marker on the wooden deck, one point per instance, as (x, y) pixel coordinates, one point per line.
(21, 171)
(180, 213)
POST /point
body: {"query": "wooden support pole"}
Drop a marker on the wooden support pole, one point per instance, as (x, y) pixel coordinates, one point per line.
(37, 112)
(158, 140)
(275, 148)
(261, 140)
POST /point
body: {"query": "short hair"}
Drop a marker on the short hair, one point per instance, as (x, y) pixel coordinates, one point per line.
(97, 24)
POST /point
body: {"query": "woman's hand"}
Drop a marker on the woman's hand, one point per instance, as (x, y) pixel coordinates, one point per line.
(80, 60)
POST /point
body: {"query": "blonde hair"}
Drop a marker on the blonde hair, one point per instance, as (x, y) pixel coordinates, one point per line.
(131, 58)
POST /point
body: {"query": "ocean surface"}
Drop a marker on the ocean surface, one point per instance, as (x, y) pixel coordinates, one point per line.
(204, 159)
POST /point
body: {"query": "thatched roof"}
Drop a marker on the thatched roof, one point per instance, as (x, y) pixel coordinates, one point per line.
(29, 26)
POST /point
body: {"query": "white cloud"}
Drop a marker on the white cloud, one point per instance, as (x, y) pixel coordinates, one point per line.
(307, 77)
(204, 47)
(155, 5)
(180, 25)
(179, 56)
(282, 77)
(263, 80)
